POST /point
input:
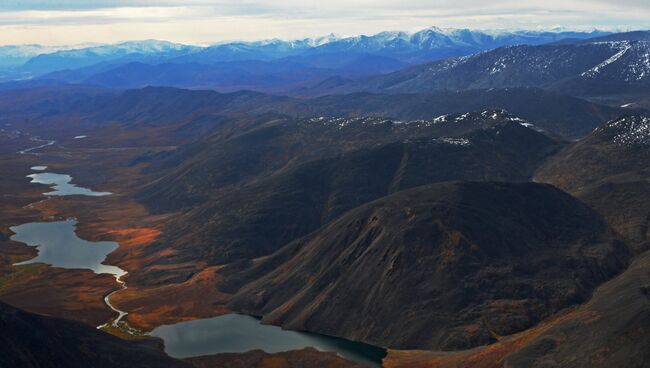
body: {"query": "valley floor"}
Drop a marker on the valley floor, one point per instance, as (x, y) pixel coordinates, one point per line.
(78, 294)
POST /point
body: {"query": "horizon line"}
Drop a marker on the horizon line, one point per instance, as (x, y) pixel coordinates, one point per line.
(551, 29)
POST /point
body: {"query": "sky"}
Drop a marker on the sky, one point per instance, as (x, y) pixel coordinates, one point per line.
(204, 22)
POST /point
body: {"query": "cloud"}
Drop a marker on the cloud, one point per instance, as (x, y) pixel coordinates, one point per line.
(202, 21)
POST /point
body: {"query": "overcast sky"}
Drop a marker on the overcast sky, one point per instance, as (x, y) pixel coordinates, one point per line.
(205, 22)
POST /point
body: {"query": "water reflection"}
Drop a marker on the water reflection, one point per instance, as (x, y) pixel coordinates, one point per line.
(58, 245)
(234, 333)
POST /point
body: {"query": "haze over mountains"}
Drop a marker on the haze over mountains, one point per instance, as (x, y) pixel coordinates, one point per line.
(150, 62)
(569, 63)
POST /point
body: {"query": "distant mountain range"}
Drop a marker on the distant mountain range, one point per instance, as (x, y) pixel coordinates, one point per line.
(428, 44)
(615, 64)
(14, 56)
(607, 65)
(150, 50)
(402, 48)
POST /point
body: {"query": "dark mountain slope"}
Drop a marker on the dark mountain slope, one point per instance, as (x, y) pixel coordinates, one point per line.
(609, 331)
(446, 266)
(165, 106)
(48, 101)
(609, 170)
(30, 340)
(258, 215)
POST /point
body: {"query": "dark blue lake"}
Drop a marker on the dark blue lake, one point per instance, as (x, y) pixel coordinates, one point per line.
(235, 333)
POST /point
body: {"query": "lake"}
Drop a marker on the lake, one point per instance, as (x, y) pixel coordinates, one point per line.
(235, 333)
(59, 246)
(61, 183)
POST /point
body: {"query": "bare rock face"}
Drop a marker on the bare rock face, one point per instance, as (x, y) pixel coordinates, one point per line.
(447, 266)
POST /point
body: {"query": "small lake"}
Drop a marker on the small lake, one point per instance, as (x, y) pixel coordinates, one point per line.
(61, 183)
(234, 333)
(58, 245)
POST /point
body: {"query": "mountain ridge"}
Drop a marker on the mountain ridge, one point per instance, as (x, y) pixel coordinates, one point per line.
(579, 69)
(409, 48)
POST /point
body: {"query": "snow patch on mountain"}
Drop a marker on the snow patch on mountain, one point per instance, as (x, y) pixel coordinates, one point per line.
(631, 131)
(622, 48)
(631, 57)
(475, 118)
(453, 141)
(129, 47)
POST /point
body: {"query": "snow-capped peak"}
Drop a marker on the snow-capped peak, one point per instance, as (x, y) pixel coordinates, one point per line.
(322, 40)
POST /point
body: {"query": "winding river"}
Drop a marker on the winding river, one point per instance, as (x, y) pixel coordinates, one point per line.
(58, 244)
(31, 149)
